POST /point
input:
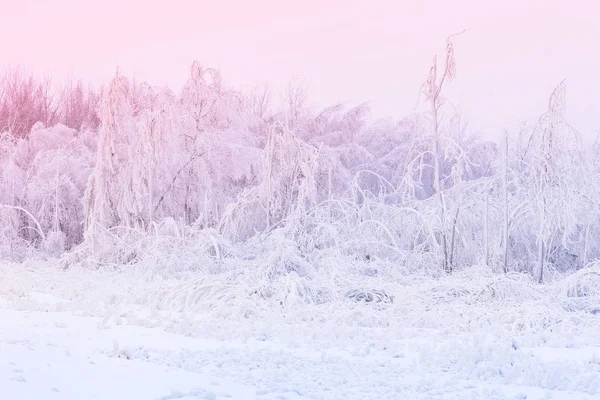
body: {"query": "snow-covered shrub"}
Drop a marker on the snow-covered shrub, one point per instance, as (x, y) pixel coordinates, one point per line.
(43, 178)
(54, 243)
(583, 283)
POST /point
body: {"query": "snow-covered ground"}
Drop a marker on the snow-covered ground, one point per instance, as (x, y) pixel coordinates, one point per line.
(95, 335)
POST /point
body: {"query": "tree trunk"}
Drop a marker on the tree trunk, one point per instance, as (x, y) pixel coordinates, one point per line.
(438, 187)
(486, 238)
(505, 225)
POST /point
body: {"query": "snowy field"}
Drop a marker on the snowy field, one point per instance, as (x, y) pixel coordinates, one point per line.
(73, 334)
(214, 242)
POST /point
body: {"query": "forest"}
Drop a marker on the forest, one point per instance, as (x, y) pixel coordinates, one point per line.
(212, 179)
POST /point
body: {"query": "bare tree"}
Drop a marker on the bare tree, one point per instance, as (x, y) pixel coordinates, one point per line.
(26, 100)
(260, 100)
(79, 106)
(294, 102)
(22, 103)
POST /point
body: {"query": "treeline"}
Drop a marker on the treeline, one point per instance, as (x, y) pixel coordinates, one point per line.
(215, 166)
(26, 99)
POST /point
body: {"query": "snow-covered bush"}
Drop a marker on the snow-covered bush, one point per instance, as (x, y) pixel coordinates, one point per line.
(43, 178)
(210, 172)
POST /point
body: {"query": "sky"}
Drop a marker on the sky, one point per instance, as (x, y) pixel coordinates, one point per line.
(513, 53)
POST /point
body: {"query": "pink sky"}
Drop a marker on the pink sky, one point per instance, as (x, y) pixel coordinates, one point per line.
(510, 58)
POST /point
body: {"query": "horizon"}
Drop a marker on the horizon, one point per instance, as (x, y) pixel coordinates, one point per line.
(508, 61)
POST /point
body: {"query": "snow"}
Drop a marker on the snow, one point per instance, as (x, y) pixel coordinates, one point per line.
(209, 246)
(90, 335)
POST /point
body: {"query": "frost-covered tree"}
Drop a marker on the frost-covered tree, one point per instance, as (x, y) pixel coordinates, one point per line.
(559, 179)
(432, 90)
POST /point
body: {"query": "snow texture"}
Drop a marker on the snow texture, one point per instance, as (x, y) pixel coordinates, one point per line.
(82, 335)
